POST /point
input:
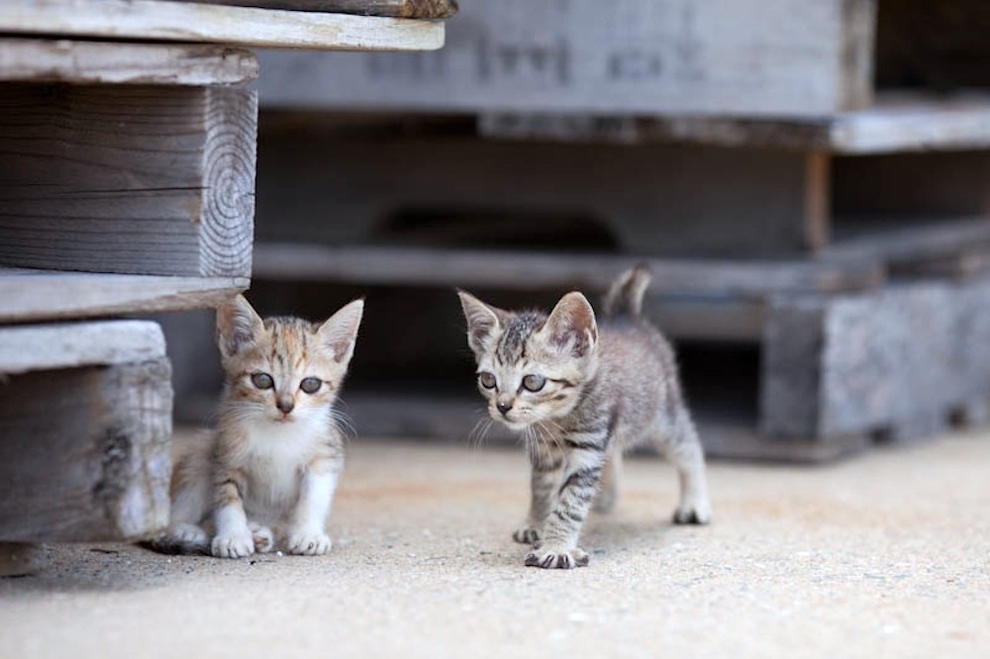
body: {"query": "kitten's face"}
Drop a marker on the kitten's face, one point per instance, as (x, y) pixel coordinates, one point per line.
(531, 367)
(285, 370)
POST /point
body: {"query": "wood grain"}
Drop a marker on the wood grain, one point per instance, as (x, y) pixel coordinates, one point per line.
(26, 348)
(425, 9)
(84, 453)
(903, 244)
(85, 62)
(204, 23)
(31, 295)
(128, 179)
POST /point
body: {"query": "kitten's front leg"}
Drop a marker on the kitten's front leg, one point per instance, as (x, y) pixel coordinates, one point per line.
(559, 548)
(544, 481)
(307, 532)
(233, 538)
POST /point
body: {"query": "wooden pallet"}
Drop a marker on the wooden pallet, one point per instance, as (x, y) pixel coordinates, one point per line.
(126, 186)
(863, 233)
(127, 175)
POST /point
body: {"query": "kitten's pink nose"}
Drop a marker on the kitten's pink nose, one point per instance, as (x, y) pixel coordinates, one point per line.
(285, 405)
(503, 407)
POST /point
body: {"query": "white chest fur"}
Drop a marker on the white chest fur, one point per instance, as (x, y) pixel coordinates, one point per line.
(275, 458)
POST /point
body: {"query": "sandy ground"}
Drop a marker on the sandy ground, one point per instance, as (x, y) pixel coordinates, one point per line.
(887, 554)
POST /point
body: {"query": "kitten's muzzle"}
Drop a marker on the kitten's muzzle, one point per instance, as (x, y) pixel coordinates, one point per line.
(503, 406)
(284, 405)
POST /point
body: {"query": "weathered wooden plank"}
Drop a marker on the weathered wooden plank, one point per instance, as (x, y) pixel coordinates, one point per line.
(130, 179)
(899, 363)
(86, 62)
(84, 453)
(26, 348)
(907, 243)
(818, 199)
(535, 271)
(896, 123)
(965, 264)
(233, 26)
(425, 9)
(30, 295)
(755, 57)
(653, 200)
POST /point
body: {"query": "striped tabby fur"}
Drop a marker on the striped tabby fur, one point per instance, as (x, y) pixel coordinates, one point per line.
(581, 394)
(267, 477)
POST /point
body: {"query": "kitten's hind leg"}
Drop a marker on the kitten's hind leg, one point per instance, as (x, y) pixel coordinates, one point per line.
(681, 445)
(181, 539)
(190, 499)
(611, 475)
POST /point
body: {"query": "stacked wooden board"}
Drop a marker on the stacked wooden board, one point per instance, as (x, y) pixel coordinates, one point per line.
(127, 186)
(798, 179)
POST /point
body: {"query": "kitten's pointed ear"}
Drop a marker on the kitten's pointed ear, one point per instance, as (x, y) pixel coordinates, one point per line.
(483, 321)
(238, 326)
(339, 333)
(571, 326)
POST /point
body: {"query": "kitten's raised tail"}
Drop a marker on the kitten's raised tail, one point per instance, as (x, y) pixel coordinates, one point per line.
(625, 295)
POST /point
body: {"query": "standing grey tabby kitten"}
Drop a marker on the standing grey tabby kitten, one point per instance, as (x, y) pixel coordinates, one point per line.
(581, 394)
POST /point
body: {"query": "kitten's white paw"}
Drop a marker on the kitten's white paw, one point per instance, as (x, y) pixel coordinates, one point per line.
(526, 535)
(308, 543)
(560, 558)
(263, 539)
(693, 513)
(236, 545)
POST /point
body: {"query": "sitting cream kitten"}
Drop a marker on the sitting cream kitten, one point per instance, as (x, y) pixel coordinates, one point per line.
(267, 477)
(580, 394)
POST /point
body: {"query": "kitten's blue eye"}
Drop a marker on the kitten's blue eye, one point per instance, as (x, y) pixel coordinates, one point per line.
(534, 382)
(262, 380)
(311, 385)
(487, 380)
